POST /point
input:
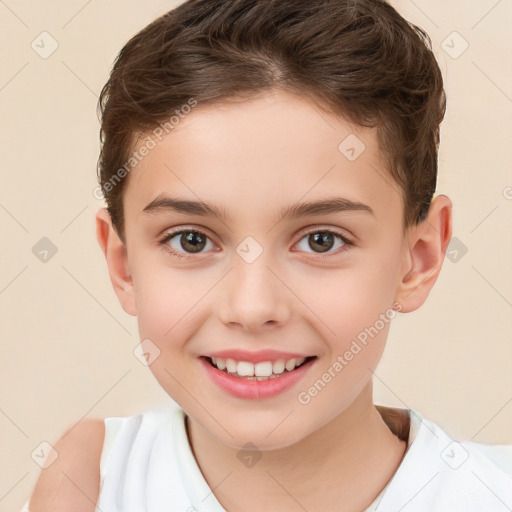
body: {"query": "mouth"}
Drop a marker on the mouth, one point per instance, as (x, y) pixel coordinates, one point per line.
(259, 381)
(262, 371)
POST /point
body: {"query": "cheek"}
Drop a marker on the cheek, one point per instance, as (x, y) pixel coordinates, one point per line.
(346, 301)
(167, 300)
(353, 313)
(168, 303)
(354, 309)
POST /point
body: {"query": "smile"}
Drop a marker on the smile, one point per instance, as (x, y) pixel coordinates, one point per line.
(263, 370)
(256, 381)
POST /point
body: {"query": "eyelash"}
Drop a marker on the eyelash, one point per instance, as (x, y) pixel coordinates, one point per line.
(170, 235)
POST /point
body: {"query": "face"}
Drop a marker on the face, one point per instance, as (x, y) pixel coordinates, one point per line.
(249, 280)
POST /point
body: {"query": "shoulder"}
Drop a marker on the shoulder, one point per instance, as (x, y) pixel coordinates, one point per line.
(459, 476)
(499, 454)
(72, 482)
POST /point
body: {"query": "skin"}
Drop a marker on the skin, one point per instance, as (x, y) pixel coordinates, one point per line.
(252, 159)
(72, 482)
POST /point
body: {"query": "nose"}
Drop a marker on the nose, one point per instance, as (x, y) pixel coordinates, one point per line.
(255, 297)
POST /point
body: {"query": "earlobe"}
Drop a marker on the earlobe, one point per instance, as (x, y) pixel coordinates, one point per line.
(426, 246)
(117, 260)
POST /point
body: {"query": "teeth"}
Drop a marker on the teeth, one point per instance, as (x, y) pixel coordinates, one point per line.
(263, 369)
(230, 365)
(259, 371)
(290, 365)
(245, 369)
(278, 366)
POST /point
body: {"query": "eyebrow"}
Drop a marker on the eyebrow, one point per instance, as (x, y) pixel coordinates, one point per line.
(163, 204)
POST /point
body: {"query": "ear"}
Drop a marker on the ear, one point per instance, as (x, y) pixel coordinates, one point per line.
(117, 260)
(425, 248)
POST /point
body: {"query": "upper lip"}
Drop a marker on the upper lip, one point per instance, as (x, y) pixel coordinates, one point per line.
(256, 357)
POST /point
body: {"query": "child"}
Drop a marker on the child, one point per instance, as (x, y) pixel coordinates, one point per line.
(269, 168)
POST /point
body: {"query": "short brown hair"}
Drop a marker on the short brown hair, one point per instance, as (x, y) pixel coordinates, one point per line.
(356, 58)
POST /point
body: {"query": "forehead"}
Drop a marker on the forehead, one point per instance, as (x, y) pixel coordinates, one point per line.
(273, 150)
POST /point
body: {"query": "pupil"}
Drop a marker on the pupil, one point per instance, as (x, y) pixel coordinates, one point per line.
(321, 241)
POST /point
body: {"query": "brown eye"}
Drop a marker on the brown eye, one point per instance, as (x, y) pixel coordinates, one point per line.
(184, 242)
(192, 241)
(323, 241)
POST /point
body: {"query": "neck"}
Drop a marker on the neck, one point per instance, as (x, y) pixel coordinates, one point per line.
(346, 462)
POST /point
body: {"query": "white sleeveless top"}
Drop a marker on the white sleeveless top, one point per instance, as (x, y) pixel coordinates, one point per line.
(132, 481)
(147, 465)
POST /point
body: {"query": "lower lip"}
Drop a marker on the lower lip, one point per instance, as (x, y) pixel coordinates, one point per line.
(255, 389)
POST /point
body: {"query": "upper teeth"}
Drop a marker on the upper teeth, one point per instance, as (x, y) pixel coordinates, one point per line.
(263, 369)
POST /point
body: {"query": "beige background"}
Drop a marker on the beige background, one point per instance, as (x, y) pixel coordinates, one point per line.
(67, 344)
